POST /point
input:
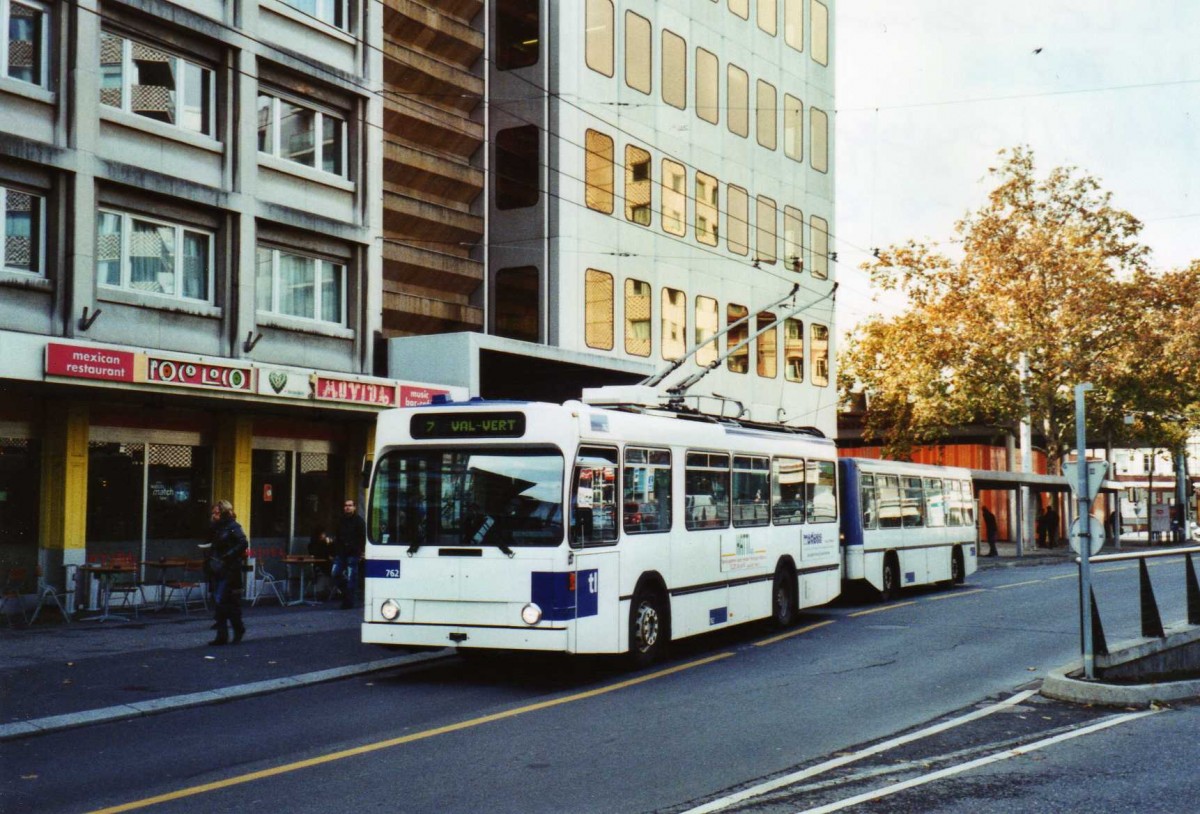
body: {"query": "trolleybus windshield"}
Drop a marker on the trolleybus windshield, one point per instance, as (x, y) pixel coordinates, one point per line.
(468, 497)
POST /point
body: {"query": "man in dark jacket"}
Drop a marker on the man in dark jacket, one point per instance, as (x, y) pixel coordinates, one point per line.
(227, 546)
(348, 546)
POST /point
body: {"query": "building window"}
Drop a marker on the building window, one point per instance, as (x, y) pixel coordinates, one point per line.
(766, 346)
(708, 322)
(305, 135)
(708, 92)
(766, 240)
(639, 54)
(598, 50)
(738, 106)
(819, 231)
(820, 355)
(820, 32)
(793, 127)
(598, 309)
(793, 239)
(819, 139)
(22, 244)
(768, 16)
(738, 204)
(738, 361)
(793, 23)
(296, 285)
(150, 82)
(637, 318)
(674, 197)
(599, 172)
(518, 303)
(20, 483)
(517, 34)
(517, 167)
(767, 116)
(637, 185)
(708, 208)
(674, 69)
(793, 350)
(154, 256)
(674, 323)
(24, 51)
(327, 11)
(741, 8)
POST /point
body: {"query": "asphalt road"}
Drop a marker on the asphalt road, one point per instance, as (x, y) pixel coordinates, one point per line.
(727, 714)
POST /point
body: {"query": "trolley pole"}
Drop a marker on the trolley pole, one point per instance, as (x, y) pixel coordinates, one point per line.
(1084, 514)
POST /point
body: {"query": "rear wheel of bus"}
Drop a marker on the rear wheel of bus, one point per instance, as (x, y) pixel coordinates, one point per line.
(783, 596)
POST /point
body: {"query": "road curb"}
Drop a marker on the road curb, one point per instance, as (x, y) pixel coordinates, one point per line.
(1059, 685)
(57, 723)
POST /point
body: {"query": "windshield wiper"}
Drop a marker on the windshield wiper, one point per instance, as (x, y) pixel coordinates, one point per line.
(481, 534)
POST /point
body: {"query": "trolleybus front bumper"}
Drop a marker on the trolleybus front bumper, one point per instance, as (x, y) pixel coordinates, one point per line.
(548, 639)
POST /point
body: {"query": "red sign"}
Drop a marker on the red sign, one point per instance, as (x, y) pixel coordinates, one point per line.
(416, 396)
(268, 493)
(376, 393)
(82, 361)
(198, 374)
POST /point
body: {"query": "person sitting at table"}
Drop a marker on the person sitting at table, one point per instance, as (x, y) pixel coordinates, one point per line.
(227, 546)
(320, 547)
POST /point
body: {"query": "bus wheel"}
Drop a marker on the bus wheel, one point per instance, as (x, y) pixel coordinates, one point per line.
(783, 597)
(957, 572)
(647, 627)
(891, 578)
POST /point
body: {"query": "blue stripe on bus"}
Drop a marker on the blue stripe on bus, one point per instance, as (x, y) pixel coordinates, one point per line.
(386, 569)
(551, 591)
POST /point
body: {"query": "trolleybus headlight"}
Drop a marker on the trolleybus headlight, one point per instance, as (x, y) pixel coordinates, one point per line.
(531, 614)
(389, 610)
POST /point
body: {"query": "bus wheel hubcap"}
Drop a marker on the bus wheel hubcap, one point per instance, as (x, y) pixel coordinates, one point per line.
(647, 626)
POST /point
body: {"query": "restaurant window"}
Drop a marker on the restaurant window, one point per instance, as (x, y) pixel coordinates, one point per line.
(271, 502)
(738, 361)
(599, 172)
(708, 208)
(767, 16)
(738, 101)
(674, 69)
(766, 240)
(517, 303)
(153, 256)
(638, 206)
(674, 323)
(637, 317)
(820, 32)
(820, 487)
(741, 8)
(820, 355)
(639, 56)
(23, 241)
(319, 486)
(751, 490)
(793, 350)
(156, 84)
(793, 23)
(20, 486)
(708, 322)
(598, 46)
(819, 139)
(738, 221)
(647, 490)
(300, 286)
(302, 134)
(598, 309)
(518, 34)
(674, 197)
(766, 346)
(793, 239)
(767, 114)
(706, 491)
(819, 232)
(328, 11)
(708, 92)
(517, 167)
(24, 53)
(787, 491)
(793, 127)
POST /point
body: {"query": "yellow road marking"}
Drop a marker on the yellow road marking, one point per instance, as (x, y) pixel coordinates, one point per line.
(400, 741)
(893, 606)
(792, 633)
(957, 594)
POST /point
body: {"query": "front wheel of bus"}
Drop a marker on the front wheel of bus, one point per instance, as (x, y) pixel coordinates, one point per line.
(783, 597)
(647, 628)
(957, 571)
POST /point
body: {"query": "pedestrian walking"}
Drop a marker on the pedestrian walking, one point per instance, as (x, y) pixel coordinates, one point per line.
(1051, 521)
(227, 546)
(349, 546)
(990, 529)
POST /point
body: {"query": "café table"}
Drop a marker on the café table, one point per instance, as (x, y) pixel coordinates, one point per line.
(303, 562)
(163, 565)
(105, 572)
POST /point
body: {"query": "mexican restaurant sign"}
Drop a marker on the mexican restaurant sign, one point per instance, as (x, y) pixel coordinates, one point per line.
(87, 362)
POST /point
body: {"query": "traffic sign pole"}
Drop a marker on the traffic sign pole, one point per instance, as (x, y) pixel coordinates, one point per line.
(1085, 542)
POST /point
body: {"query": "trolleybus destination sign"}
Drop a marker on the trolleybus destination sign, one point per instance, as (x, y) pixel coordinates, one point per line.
(468, 425)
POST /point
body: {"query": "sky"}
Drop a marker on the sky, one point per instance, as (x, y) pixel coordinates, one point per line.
(929, 91)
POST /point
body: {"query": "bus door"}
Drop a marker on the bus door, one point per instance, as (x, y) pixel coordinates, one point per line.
(594, 573)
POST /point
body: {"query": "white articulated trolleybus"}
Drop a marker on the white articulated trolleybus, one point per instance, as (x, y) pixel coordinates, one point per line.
(579, 528)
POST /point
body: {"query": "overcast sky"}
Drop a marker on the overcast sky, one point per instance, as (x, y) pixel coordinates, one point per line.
(929, 90)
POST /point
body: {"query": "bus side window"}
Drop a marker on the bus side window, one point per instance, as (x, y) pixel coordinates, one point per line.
(706, 490)
(787, 491)
(646, 497)
(913, 503)
(889, 501)
(866, 492)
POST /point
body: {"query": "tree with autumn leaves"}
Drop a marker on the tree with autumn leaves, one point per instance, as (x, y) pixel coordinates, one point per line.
(1052, 279)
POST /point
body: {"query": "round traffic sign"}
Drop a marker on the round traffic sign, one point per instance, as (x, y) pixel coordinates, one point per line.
(1097, 531)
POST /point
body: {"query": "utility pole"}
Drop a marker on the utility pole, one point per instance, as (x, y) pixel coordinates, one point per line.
(1085, 521)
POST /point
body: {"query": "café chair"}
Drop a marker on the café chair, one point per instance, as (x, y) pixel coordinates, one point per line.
(184, 588)
(47, 594)
(11, 594)
(277, 587)
(128, 588)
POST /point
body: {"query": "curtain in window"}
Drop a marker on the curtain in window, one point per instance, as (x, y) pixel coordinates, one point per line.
(108, 249)
(297, 285)
(297, 132)
(195, 265)
(331, 292)
(152, 258)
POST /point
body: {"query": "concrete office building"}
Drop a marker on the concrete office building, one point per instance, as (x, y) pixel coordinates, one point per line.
(191, 283)
(657, 169)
